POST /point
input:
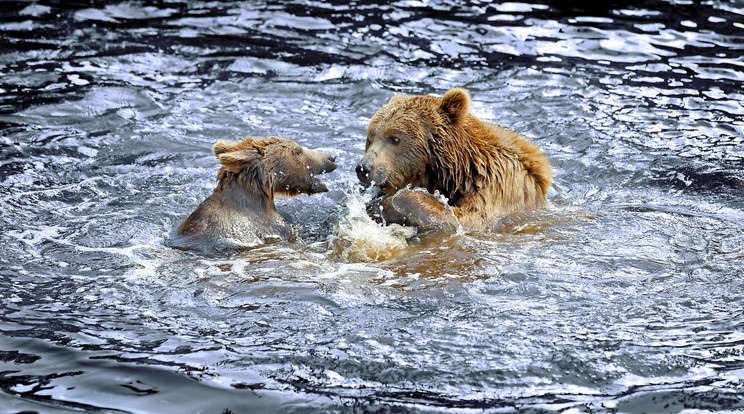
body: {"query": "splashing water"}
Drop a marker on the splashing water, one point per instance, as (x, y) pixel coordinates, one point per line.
(359, 238)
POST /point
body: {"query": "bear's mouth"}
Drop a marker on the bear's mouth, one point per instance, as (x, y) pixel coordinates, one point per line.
(386, 188)
(318, 187)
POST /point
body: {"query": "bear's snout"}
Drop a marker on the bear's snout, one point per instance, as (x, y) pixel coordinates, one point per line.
(364, 172)
(329, 164)
(378, 175)
(320, 162)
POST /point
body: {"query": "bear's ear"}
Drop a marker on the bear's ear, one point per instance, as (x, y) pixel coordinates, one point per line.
(237, 161)
(397, 98)
(222, 147)
(455, 105)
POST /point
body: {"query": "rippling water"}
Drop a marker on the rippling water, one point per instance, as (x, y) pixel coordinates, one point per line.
(624, 296)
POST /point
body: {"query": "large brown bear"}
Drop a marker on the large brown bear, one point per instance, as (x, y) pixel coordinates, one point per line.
(241, 211)
(485, 171)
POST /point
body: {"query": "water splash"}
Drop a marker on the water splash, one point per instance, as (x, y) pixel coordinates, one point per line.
(359, 238)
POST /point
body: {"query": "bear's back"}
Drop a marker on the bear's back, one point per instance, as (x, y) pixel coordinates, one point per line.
(214, 226)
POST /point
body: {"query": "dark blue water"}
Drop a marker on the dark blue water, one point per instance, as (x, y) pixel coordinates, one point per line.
(624, 296)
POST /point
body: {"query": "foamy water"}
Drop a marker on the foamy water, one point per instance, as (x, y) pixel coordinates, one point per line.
(358, 238)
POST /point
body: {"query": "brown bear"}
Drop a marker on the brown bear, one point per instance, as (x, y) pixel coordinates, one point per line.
(485, 171)
(241, 211)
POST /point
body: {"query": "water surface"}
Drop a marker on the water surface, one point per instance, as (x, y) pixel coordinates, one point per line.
(623, 296)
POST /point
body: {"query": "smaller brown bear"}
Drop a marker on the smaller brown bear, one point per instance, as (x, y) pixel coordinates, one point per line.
(241, 211)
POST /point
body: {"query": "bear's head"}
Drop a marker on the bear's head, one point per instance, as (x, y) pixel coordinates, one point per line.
(405, 137)
(273, 165)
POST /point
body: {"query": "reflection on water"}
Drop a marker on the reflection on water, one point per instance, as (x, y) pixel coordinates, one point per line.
(623, 296)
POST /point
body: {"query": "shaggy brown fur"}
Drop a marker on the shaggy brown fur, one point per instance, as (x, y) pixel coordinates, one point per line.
(484, 170)
(241, 211)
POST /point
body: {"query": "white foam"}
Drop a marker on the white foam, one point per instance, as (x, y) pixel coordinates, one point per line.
(35, 10)
(33, 237)
(359, 238)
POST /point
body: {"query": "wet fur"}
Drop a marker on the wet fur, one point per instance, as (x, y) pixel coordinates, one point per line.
(241, 211)
(485, 170)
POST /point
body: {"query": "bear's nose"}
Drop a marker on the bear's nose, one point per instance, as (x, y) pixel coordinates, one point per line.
(363, 171)
(332, 158)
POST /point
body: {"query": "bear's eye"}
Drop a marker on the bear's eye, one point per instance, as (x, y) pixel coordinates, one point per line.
(394, 140)
(297, 151)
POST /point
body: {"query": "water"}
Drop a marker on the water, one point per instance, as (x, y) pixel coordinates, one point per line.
(623, 296)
